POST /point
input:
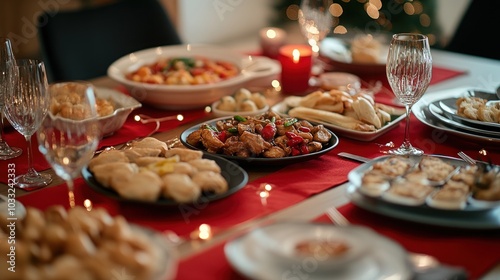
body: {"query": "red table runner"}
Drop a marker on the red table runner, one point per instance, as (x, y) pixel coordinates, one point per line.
(291, 184)
(133, 129)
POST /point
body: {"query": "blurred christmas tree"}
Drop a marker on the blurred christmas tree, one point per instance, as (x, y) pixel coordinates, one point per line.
(373, 16)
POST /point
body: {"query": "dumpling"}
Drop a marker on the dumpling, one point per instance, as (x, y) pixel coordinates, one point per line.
(204, 164)
(134, 154)
(184, 168)
(180, 187)
(145, 185)
(103, 173)
(210, 181)
(152, 143)
(107, 157)
(184, 154)
(145, 161)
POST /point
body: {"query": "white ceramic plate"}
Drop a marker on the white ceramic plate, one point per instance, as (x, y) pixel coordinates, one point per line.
(439, 114)
(282, 108)
(450, 109)
(385, 259)
(421, 111)
(124, 106)
(254, 71)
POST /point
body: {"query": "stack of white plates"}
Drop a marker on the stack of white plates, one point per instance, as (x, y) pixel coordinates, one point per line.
(272, 252)
(439, 110)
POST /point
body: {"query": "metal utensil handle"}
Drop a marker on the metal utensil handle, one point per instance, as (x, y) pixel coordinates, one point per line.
(354, 157)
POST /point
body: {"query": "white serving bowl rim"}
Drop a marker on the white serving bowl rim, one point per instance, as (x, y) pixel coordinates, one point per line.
(253, 69)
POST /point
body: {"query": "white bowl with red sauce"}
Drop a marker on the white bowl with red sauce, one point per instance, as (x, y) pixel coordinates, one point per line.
(326, 247)
(253, 71)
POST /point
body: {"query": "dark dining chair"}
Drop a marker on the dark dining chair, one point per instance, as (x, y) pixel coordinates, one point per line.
(475, 34)
(81, 44)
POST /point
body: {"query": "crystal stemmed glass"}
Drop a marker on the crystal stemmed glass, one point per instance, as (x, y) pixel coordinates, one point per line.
(7, 63)
(409, 71)
(27, 107)
(315, 21)
(69, 135)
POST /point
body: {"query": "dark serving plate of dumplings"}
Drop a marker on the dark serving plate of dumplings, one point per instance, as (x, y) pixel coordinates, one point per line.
(235, 176)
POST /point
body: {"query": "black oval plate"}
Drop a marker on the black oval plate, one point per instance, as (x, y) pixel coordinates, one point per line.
(235, 176)
(334, 141)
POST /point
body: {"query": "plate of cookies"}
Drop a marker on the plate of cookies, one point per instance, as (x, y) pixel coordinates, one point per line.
(356, 54)
(150, 172)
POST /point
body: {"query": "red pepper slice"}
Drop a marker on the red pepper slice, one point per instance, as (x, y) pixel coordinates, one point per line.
(223, 135)
(290, 134)
(304, 129)
(295, 151)
(268, 131)
(295, 141)
(304, 149)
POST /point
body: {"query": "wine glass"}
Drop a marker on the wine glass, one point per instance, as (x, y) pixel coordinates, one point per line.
(26, 108)
(409, 71)
(69, 135)
(7, 63)
(315, 21)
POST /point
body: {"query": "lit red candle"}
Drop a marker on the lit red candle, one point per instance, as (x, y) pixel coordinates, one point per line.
(271, 40)
(296, 63)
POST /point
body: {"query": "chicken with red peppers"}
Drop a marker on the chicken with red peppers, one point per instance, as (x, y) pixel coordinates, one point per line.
(268, 135)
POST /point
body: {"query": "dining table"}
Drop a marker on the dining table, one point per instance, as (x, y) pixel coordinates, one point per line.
(296, 192)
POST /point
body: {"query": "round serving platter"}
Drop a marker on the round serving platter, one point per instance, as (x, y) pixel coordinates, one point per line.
(235, 176)
(259, 161)
(470, 217)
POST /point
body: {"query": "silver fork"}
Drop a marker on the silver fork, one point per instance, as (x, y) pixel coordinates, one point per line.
(466, 158)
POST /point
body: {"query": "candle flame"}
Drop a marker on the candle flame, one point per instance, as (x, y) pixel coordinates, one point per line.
(271, 33)
(296, 55)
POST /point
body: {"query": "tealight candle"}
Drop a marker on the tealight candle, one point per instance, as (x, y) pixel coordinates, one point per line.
(296, 63)
(271, 40)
